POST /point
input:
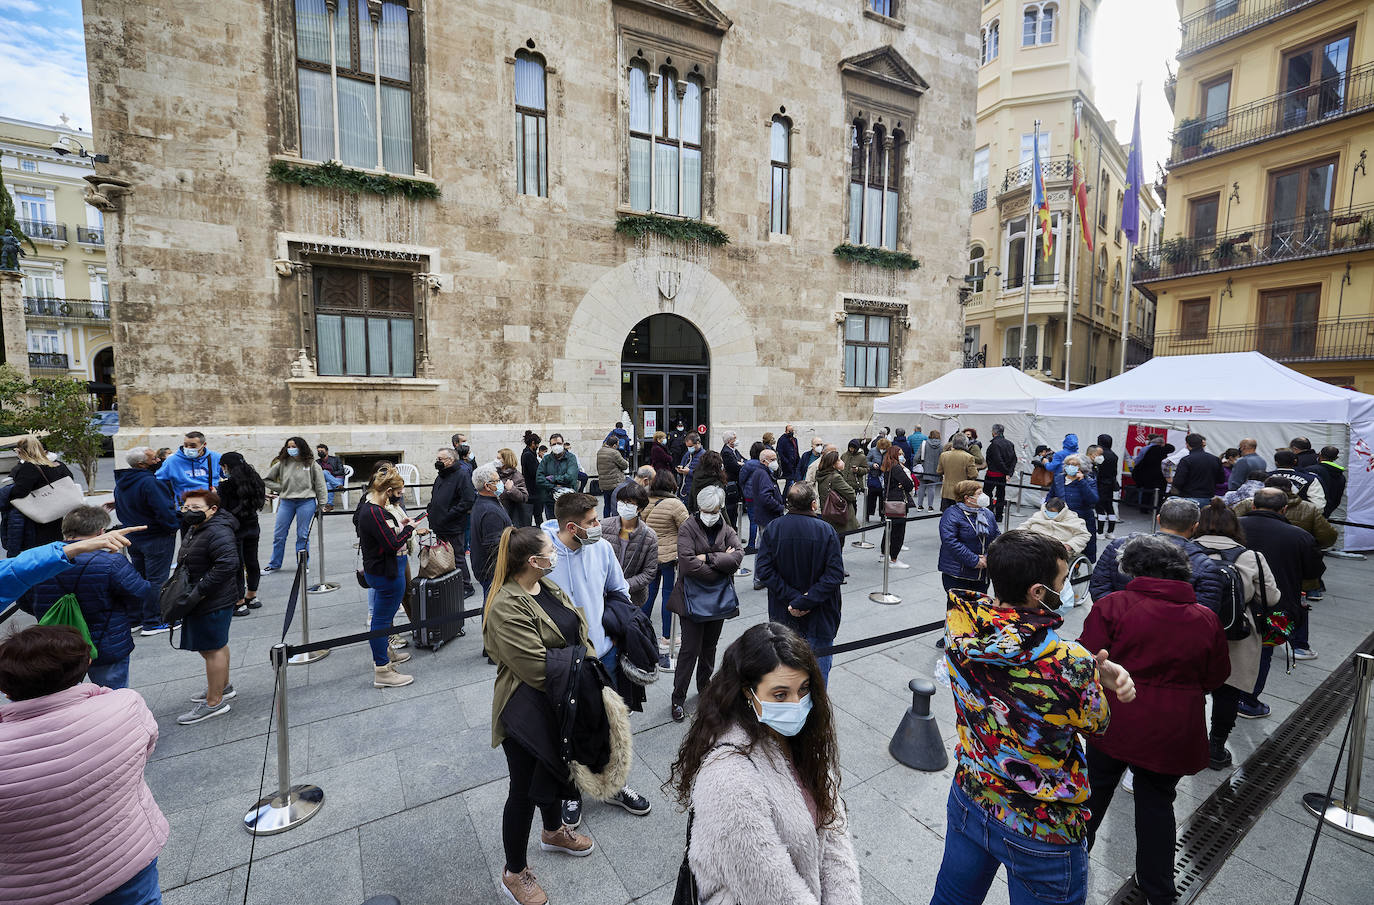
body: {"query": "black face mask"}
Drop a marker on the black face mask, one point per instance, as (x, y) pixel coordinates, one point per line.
(193, 517)
(439, 465)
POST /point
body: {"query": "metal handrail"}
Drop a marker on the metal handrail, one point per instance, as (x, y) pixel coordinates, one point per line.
(1225, 19)
(1051, 168)
(1326, 340)
(1332, 232)
(51, 361)
(44, 229)
(1350, 93)
(66, 309)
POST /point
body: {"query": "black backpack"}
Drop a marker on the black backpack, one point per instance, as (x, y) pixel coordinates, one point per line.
(1233, 602)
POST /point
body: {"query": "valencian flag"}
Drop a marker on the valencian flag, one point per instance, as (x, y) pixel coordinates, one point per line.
(1080, 185)
(1040, 202)
(1135, 178)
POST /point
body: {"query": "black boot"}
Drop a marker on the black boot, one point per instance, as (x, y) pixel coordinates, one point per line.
(1219, 755)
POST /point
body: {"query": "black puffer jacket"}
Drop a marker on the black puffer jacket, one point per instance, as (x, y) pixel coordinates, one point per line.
(451, 504)
(210, 553)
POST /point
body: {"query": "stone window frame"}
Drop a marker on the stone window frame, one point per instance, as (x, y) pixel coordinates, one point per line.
(893, 15)
(785, 167)
(899, 313)
(521, 113)
(298, 294)
(637, 44)
(286, 142)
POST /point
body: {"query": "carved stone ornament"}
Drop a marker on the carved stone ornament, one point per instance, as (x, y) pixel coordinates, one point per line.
(105, 192)
(668, 283)
(286, 268)
(302, 366)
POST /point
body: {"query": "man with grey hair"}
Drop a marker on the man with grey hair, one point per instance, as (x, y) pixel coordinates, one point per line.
(489, 520)
(109, 592)
(1177, 523)
(733, 459)
(450, 505)
(141, 499)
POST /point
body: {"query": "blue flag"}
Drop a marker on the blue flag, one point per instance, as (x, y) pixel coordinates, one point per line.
(1135, 178)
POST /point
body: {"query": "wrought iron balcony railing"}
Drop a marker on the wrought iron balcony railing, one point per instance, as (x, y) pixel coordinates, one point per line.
(1225, 19)
(44, 229)
(67, 309)
(980, 197)
(1139, 351)
(1326, 233)
(1054, 169)
(1270, 117)
(1033, 362)
(88, 235)
(1326, 340)
(48, 361)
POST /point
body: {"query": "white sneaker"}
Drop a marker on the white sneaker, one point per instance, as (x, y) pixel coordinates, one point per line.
(1304, 653)
(898, 564)
(905, 548)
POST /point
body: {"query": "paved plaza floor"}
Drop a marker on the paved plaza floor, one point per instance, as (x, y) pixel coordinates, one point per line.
(414, 790)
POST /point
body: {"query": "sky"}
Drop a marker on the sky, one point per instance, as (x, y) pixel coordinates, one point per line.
(45, 65)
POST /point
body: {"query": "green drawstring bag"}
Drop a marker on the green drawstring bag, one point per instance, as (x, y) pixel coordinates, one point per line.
(68, 612)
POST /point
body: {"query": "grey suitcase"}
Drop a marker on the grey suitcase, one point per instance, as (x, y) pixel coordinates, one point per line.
(441, 597)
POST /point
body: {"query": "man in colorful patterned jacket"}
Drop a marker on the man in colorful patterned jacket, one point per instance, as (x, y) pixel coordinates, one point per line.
(1022, 695)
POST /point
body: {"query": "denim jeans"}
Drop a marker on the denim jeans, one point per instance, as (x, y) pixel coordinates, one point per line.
(302, 511)
(609, 497)
(610, 661)
(816, 642)
(152, 558)
(140, 889)
(753, 526)
(333, 483)
(383, 600)
(975, 845)
(111, 675)
(667, 572)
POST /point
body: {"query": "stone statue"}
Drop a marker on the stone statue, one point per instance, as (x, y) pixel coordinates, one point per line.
(10, 251)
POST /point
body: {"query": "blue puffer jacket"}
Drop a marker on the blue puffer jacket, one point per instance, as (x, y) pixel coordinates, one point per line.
(23, 571)
(1057, 460)
(141, 499)
(111, 595)
(1208, 582)
(762, 489)
(1080, 496)
(960, 543)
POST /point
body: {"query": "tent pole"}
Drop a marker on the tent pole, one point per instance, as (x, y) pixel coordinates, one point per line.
(1073, 283)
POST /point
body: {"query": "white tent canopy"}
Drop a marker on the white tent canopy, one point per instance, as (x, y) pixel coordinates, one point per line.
(1209, 394)
(970, 391)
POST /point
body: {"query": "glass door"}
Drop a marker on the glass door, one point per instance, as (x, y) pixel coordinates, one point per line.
(656, 399)
(1300, 200)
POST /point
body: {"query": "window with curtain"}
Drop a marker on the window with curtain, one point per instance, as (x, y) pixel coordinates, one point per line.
(780, 187)
(975, 267)
(1015, 256)
(364, 322)
(531, 126)
(1037, 23)
(1120, 205)
(665, 142)
(874, 185)
(867, 350)
(361, 114)
(992, 36)
(1100, 281)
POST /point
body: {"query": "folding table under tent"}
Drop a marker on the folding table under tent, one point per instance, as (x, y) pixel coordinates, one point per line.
(971, 397)
(1226, 397)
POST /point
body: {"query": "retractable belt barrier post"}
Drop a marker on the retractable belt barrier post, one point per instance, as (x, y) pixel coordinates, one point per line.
(291, 805)
(861, 543)
(322, 586)
(310, 656)
(885, 596)
(1345, 813)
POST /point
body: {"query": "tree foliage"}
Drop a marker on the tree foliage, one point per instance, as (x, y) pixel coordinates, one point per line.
(62, 407)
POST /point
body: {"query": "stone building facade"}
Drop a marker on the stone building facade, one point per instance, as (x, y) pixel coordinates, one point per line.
(254, 307)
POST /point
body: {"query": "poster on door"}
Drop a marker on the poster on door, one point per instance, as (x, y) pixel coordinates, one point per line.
(650, 423)
(1137, 435)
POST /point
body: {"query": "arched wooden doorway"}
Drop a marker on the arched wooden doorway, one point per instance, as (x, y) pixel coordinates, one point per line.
(665, 372)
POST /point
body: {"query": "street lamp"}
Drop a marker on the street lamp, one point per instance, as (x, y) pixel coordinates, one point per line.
(63, 146)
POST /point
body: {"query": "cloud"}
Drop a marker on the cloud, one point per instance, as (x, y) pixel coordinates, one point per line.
(21, 6)
(45, 78)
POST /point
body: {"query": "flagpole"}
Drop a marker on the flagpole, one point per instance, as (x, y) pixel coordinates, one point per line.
(1027, 273)
(1074, 239)
(1134, 175)
(1126, 305)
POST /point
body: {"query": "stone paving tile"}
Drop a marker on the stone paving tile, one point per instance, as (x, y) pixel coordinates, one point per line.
(384, 727)
(325, 871)
(427, 853)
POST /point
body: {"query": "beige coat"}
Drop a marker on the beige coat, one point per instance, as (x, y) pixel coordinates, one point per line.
(1068, 529)
(753, 839)
(665, 514)
(956, 465)
(1245, 653)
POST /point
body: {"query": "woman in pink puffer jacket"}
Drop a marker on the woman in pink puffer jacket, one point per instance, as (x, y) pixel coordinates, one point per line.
(77, 821)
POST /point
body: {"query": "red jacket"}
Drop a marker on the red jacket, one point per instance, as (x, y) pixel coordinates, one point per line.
(1175, 651)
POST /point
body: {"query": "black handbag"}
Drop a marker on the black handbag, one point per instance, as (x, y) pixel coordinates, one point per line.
(174, 600)
(685, 893)
(358, 567)
(709, 601)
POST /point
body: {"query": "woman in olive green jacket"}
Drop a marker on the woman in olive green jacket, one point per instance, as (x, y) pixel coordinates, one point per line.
(830, 477)
(526, 616)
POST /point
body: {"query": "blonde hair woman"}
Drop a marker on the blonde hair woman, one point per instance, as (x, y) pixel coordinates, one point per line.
(515, 494)
(34, 470)
(383, 538)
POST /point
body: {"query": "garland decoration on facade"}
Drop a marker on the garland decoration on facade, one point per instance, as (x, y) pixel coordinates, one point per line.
(638, 225)
(333, 174)
(878, 257)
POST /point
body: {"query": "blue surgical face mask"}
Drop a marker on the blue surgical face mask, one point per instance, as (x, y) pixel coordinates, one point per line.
(292, 451)
(784, 718)
(1070, 470)
(1067, 595)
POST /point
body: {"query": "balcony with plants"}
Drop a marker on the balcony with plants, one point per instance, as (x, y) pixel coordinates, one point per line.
(1222, 20)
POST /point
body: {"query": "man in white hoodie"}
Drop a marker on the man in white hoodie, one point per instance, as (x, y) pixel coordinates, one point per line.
(1058, 522)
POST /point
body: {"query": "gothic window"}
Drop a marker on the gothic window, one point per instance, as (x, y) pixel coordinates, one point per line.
(875, 157)
(531, 126)
(364, 322)
(992, 37)
(665, 141)
(780, 174)
(354, 81)
(1038, 23)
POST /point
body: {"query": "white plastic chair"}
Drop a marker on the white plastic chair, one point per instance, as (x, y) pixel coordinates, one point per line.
(411, 475)
(347, 479)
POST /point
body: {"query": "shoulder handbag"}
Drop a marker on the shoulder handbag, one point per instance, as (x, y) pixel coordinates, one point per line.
(437, 559)
(893, 508)
(1041, 476)
(834, 509)
(50, 502)
(175, 597)
(709, 601)
(358, 566)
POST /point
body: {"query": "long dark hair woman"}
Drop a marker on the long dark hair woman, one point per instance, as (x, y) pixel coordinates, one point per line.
(526, 617)
(761, 768)
(210, 552)
(710, 472)
(242, 493)
(529, 467)
(298, 481)
(897, 483)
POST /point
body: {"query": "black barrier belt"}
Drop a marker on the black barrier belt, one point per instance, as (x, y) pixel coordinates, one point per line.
(302, 566)
(9, 612)
(1341, 521)
(879, 639)
(294, 649)
(883, 523)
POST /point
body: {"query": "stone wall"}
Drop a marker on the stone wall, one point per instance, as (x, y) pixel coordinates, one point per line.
(534, 296)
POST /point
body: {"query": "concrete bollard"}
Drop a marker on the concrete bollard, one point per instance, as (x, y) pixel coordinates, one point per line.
(917, 742)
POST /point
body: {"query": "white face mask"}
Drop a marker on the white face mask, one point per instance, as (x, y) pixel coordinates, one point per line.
(902, 459)
(556, 449)
(1098, 460)
(709, 519)
(983, 500)
(628, 511)
(773, 466)
(551, 556)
